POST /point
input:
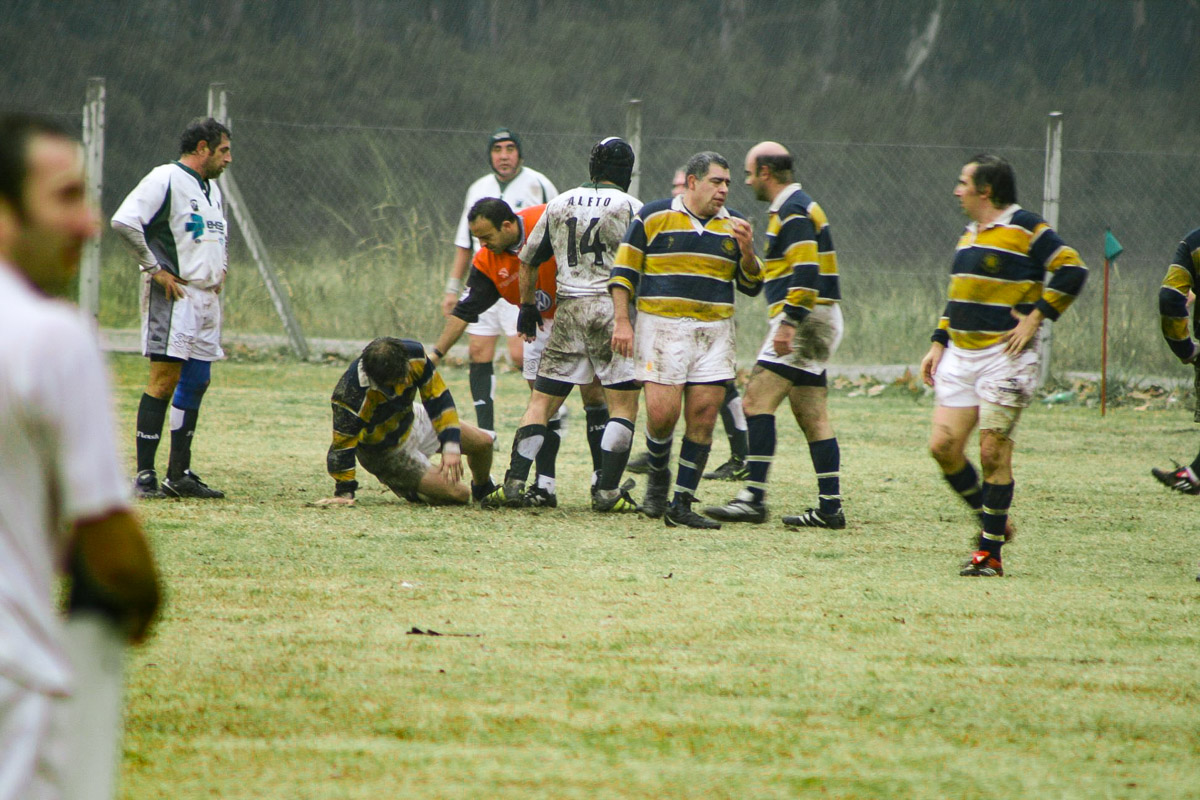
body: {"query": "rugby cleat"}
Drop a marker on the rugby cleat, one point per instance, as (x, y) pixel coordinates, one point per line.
(742, 508)
(734, 469)
(815, 518)
(145, 486)
(654, 504)
(537, 497)
(189, 485)
(622, 503)
(480, 491)
(1181, 479)
(680, 514)
(493, 498)
(514, 492)
(982, 564)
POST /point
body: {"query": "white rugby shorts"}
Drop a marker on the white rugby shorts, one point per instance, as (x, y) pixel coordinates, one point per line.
(186, 328)
(814, 344)
(32, 744)
(966, 377)
(675, 351)
(580, 345)
(499, 320)
(534, 350)
(401, 468)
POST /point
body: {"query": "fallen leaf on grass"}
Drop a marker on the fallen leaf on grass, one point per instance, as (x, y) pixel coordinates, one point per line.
(431, 632)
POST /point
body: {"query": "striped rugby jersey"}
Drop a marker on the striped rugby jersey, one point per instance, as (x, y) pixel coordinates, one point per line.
(800, 267)
(1001, 268)
(1172, 297)
(677, 265)
(364, 415)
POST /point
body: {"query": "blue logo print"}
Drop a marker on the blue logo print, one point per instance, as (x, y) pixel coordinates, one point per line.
(195, 226)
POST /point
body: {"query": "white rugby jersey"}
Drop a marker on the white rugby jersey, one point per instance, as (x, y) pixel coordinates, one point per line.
(183, 217)
(528, 188)
(58, 466)
(582, 228)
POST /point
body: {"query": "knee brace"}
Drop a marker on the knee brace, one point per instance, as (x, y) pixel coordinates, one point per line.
(193, 382)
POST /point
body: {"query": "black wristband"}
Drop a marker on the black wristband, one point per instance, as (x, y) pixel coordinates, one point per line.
(437, 352)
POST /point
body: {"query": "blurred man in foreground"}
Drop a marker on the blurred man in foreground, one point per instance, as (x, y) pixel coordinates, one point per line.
(64, 504)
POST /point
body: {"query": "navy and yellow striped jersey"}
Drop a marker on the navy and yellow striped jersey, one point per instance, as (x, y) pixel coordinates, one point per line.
(369, 416)
(800, 265)
(677, 265)
(1172, 297)
(1002, 268)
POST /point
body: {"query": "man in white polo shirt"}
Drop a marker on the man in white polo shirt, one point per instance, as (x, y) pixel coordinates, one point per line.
(520, 187)
(64, 504)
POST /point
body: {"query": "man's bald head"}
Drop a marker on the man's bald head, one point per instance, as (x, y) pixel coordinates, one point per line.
(768, 169)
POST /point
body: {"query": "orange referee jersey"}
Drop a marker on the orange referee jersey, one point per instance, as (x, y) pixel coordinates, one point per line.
(504, 269)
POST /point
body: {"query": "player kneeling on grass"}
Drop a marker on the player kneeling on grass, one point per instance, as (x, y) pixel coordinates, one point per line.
(391, 412)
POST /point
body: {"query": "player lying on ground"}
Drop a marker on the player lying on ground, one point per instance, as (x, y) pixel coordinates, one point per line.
(378, 420)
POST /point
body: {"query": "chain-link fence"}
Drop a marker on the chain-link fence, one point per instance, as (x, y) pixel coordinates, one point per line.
(360, 221)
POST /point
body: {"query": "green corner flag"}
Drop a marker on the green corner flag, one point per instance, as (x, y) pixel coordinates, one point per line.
(1112, 248)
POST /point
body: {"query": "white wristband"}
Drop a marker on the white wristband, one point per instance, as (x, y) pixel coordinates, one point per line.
(453, 286)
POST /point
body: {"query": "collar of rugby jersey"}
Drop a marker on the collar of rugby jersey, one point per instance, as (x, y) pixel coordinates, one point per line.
(204, 185)
(1005, 218)
(365, 382)
(677, 205)
(516, 248)
(782, 197)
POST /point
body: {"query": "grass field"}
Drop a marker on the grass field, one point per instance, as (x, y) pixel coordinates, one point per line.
(596, 657)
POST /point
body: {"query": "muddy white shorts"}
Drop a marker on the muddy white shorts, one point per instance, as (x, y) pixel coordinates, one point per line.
(580, 345)
(186, 328)
(815, 342)
(679, 350)
(400, 468)
(534, 350)
(964, 378)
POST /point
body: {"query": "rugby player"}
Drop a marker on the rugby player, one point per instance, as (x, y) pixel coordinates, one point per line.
(682, 258)
(1174, 298)
(800, 281)
(174, 224)
(391, 412)
(984, 360)
(581, 229)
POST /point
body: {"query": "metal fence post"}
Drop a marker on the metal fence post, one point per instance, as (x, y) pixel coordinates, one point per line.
(218, 110)
(1051, 188)
(633, 134)
(93, 155)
